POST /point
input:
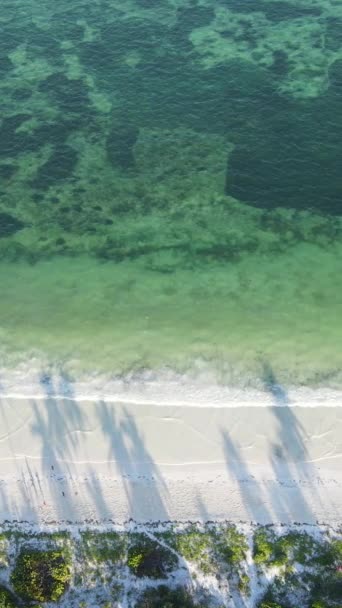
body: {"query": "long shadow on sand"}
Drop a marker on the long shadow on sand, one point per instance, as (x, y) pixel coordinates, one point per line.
(48, 478)
(54, 425)
(280, 497)
(50, 420)
(290, 457)
(128, 455)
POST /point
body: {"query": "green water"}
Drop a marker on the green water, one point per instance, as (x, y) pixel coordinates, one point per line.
(170, 186)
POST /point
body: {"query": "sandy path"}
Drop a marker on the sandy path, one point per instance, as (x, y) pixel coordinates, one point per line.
(68, 460)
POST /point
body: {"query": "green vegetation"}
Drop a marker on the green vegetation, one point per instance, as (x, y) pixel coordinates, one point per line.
(270, 605)
(41, 575)
(230, 545)
(195, 546)
(104, 546)
(263, 546)
(320, 584)
(327, 587)
(55, 537)
(329, 554)
(272, 550)
(299, 567)
(52, 539)
(7, 600)
(210, 548)
(147, 557)
(243, 584)
(326, 580)
(3, 550)
(274, 598)
(163, 597)
(322, 604)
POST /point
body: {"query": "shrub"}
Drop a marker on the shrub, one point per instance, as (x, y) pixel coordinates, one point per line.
(270, 549)
(263, 547)
(211, 548)
(270, 600)
(231, 545)
(147, 557)
(244, 584)
(195, 546)
(330, 554)
(327, 588)
(270, 605)
(7, 600)
(163, 597)
(104, 546)
(41, 575)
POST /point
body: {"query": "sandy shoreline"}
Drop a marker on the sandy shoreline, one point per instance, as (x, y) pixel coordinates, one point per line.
(159, 387)
(68, 460)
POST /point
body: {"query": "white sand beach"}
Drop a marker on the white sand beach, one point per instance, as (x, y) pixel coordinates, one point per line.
(77, 460)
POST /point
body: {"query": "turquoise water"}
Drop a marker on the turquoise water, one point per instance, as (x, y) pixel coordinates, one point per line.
(170, 186)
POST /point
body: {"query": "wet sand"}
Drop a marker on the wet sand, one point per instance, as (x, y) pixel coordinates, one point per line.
(64, 459)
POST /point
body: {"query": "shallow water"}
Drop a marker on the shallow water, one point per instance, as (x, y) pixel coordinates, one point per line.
(170, 186)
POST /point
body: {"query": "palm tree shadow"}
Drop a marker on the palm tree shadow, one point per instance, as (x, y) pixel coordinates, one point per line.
(251, 493)
(272, 386)
(129, 457)
(289, 492)
(54, 426)
(289, 456)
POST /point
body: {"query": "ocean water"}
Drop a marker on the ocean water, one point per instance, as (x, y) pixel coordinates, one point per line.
(171, 191)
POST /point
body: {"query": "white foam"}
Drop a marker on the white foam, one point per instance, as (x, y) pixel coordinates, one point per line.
(156, 387)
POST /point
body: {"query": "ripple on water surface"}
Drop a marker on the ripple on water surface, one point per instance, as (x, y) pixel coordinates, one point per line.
(170, 187)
